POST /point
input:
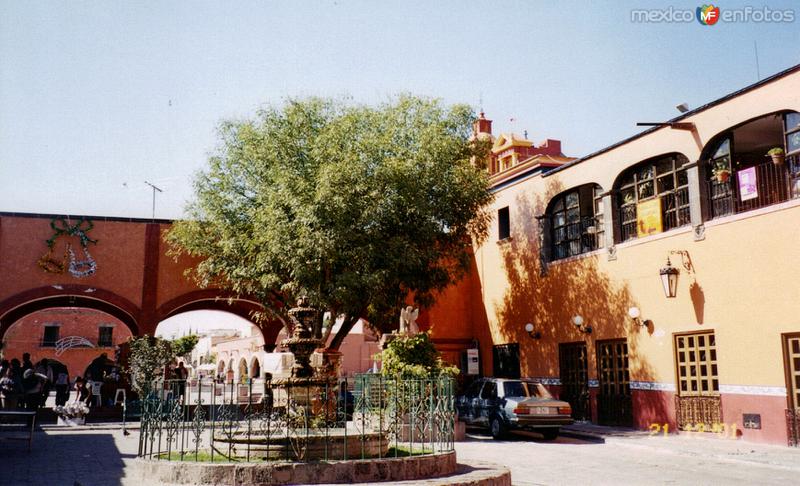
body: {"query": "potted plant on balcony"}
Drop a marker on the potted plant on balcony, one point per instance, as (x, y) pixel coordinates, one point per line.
(722, 173)
(778, 155)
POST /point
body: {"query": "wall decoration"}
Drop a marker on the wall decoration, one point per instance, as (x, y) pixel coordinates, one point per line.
(77, 268)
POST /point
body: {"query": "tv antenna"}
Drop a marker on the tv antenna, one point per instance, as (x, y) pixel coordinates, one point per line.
(155, 188)
(758, 68)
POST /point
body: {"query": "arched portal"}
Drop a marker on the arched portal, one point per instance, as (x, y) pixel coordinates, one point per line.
(229, 373)
(255, 368)
(25, 303)
(73, 336)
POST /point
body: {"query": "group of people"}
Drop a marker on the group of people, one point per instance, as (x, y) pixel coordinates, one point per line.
(26, 386)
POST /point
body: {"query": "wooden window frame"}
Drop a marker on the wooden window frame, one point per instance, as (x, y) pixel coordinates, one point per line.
(627, 211)
(711, 377)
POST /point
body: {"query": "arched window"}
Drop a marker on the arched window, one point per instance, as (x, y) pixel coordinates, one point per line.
(659, 186)
(753, 165)
(576, 222)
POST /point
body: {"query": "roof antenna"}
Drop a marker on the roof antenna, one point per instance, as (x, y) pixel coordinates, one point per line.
(154, 198)
(758, 70)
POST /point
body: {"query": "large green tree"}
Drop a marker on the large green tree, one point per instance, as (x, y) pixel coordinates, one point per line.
(356, 207)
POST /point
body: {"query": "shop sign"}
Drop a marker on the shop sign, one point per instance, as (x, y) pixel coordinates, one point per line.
(648, 217)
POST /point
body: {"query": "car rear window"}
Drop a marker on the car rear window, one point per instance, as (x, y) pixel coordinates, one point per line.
(515, 389)
(525, 389)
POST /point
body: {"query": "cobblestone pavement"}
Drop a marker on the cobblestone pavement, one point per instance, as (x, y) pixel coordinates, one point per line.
(98, 456)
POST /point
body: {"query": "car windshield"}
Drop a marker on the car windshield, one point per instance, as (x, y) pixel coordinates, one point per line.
(525, 389)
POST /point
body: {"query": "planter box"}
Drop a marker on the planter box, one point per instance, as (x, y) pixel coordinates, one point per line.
(72, 421)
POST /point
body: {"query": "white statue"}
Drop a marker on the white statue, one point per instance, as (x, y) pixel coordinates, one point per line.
(408, 321)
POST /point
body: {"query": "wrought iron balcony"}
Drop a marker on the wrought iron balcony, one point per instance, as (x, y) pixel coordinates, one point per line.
(766, 184)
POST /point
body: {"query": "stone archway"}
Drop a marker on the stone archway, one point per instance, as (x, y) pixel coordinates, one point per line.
(20, 305)
(255, 368)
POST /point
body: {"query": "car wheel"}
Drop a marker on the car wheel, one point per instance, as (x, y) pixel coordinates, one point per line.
(498, 428)
(550, 434)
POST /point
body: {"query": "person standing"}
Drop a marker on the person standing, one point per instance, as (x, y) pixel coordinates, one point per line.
(45, 368)
(62, 387)
(9, 390)
(27, 364)
(181, 374)
(82, 393)
(32, 387)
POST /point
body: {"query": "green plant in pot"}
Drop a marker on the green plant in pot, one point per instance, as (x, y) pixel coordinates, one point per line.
(778, 155)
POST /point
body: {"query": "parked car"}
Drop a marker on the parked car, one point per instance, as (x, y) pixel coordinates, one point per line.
(503, 404)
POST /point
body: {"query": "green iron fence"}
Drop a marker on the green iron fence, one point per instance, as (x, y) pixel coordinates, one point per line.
(201, 420)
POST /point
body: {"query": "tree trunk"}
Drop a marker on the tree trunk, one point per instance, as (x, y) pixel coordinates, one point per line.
(347, 325)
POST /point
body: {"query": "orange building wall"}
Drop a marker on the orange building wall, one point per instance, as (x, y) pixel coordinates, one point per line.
(119, 251)
(25, 337)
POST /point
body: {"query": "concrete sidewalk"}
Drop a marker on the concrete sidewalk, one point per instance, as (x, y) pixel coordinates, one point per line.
(690, 444)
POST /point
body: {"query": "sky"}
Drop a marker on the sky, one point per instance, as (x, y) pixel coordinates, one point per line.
(98, 97)
(201, 321)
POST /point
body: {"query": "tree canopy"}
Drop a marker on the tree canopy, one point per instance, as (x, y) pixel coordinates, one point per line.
(147, 355)
(183, 346)
(414, 357)
(356, 207)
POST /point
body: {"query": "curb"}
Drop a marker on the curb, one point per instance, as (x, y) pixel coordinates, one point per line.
(579, 434)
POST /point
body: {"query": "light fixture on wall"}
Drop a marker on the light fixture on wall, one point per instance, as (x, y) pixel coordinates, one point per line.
(577, 321)
(669, 279)
(636, 315)
(533, 334)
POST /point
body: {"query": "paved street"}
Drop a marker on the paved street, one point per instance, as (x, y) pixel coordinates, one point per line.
(636, 459)
(98, 456)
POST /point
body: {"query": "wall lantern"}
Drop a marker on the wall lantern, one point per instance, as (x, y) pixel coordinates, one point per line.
(533, 334)
(669, 279)
(636, 314)
(577, 320)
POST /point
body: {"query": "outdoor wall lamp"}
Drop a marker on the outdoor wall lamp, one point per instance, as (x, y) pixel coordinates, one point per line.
(636, 314)
(577, 320)
(533, 334)
(669, 279)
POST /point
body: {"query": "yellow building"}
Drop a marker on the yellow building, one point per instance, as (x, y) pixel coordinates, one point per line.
(580, 248)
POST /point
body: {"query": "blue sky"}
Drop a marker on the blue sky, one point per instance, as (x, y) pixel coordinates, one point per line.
(96, 97)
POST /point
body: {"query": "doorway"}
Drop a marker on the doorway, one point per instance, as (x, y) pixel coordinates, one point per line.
(791, 354)
(505, 360)
(614, 404)
(574, 378)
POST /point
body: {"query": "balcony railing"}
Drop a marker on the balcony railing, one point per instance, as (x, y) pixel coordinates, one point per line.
(773, 184)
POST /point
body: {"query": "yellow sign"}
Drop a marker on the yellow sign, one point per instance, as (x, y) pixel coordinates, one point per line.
(648, 217)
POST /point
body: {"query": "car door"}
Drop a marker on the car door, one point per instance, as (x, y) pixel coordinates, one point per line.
(465, 404)
(487, 403)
